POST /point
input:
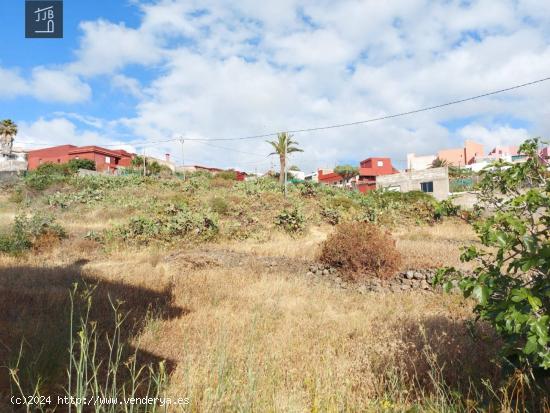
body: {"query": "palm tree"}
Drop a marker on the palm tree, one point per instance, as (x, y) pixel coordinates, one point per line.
(283, 146)
(439, 163)
(8, 129)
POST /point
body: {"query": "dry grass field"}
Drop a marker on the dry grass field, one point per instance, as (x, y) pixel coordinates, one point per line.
(241, 327)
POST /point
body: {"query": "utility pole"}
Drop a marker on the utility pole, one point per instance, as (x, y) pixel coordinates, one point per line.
(286, 150)
(144, 162)
(183, 157)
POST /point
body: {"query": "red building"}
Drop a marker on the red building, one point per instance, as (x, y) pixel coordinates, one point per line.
(329, 177)
(104, 159)
(369, 169)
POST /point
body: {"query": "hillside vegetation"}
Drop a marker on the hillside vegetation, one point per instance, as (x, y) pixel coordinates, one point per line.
(211, 274)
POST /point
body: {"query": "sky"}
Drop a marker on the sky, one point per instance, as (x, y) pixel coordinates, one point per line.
(129, 73)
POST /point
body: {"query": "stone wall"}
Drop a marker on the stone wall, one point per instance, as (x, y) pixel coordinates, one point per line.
(410, 280)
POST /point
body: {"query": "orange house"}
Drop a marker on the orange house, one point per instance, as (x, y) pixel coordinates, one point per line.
(462, 156)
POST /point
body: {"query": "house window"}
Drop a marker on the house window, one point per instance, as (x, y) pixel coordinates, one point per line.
(380, 163)
(107, 159)
(427, 186)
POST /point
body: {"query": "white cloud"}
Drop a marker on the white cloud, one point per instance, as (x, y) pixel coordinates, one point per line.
(56, 131)
(58, 86)
(219, 68)
(45, 85)
(494, 136)
(128, 85)
(11, 84)
(106, 47)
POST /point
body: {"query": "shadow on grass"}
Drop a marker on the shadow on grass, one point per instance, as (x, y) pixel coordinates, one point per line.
(35, 310)
(464, 358)
(457, 353)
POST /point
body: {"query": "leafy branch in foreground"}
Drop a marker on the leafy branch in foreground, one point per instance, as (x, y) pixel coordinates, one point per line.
(511, 282)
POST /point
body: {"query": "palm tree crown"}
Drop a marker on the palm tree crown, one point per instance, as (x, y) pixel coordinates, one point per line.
(282, 147)
(439, 163)
(8, 128)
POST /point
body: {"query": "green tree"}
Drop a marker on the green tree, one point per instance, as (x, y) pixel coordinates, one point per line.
(511, 282)
(283, 146)
(76, 164)
(346, 171)
(152, 167)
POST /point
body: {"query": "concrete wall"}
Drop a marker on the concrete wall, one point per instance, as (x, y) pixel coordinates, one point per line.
(12, 166)
(419, 163)
(410, 181)
(8, 178)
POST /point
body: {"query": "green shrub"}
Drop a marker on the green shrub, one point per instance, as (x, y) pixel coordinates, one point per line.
(172, 223)
(76, 164)
(388, 207)
(342, 202)
(308, 189)
(511, 282)
(331, 215)
(229, 175)
(26, 232)
(361, 249)
(39, 182)
(46, 175)
(446, 208)
(259, 186)
(291, 221)
(219, 205)
(17, 195)
(66, 199)
(195, 174)
(50, 168)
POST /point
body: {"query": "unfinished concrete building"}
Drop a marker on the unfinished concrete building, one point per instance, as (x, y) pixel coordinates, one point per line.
(434, 181)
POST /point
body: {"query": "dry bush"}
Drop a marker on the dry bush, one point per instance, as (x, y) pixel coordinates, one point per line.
(46, 242)
(361, 249)
(85, 247)
(219, 182)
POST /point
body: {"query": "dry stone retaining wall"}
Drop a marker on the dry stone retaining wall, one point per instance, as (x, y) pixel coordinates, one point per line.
(418, 280)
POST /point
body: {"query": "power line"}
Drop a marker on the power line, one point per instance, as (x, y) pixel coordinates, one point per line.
(361, 122)
(340, 125)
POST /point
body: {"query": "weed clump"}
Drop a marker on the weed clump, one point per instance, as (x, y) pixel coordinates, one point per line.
(361, 250)
(331, 215)
(37, 230)
(219, 205)
(292, 221)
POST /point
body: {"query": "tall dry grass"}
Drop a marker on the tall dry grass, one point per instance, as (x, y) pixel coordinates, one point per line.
(257, 338)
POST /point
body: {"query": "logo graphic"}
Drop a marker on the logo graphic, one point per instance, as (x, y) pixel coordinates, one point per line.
(44, 19)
